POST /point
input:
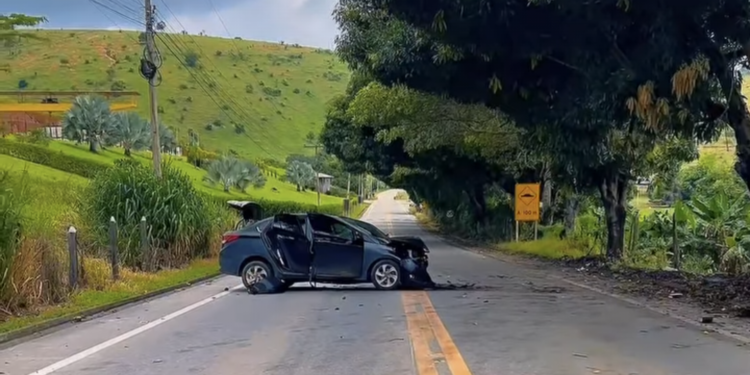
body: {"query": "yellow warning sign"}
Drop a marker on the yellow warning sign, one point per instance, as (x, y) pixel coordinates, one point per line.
(527, 202)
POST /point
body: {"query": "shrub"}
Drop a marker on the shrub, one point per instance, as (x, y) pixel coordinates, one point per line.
(270, 91)
(180, 227)
(36, 136)
(44, 156)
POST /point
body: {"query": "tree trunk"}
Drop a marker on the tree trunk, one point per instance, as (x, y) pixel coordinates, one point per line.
(298, 188)
(738, 118)
(127, 152)
(572, 204)
(547, 211)
(94, 146)
(479, 203)
(614, 190)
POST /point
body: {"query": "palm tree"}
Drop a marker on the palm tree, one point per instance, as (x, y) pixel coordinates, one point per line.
(251, 176)
(132, 131)
(89, 120)
(167, 138)
(231, 172)
(300, 174)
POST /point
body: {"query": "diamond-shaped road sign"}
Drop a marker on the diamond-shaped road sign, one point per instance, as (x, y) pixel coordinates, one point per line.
(527, 202)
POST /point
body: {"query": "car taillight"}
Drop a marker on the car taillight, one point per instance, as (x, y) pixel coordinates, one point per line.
(228, 238)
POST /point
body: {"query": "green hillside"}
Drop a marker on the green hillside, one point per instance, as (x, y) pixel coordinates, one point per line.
(275, 93)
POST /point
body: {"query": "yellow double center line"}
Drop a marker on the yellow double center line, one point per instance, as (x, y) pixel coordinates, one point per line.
(430, 340)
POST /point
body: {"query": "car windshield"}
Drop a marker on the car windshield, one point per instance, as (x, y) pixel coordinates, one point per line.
(367, 227)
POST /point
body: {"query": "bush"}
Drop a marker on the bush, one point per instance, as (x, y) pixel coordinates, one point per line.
(270, 91)
(58, 160)
(36, 136)
(179, 221)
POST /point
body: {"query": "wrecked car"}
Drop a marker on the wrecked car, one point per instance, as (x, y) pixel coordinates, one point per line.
(274, 253)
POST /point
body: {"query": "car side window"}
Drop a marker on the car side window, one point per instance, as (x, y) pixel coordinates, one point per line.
(343, 231)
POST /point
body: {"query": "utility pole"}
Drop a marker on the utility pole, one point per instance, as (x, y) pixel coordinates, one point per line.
(152, 59)
(316, 145)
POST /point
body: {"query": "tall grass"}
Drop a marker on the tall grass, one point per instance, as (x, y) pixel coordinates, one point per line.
(12, 201)
(181, 223)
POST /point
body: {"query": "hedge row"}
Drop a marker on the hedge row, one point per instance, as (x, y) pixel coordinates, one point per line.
(53, 159)
(89, 168)
(271, 208)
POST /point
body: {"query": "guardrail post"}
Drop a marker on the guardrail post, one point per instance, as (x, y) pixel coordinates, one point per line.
(114, 255)
(73, 254)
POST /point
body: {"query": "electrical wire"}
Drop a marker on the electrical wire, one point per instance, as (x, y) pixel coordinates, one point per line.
(150, 68)
(229, 99)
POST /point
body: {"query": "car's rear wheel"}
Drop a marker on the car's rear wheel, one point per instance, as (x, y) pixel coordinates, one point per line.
(255, 272)
(386, 275)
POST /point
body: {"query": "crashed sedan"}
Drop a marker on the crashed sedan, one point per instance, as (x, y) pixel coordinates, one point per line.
(272, 254)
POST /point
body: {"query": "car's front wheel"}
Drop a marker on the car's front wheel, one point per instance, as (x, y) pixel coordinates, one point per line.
(386, 275)
(255, 272)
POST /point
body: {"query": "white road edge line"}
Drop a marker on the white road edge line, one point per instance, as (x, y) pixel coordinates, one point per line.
(114, 341)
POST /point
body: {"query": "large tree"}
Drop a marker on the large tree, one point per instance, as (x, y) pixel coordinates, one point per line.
(575, 75)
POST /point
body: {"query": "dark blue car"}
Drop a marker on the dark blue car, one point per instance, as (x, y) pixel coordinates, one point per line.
(310, 247)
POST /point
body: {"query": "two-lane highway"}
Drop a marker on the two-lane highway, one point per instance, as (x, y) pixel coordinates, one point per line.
(518, 322)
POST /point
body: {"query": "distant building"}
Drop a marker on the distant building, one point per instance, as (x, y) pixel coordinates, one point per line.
(325, 182)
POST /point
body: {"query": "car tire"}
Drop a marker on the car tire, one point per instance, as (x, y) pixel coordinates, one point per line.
(386, 275)
(255, 271)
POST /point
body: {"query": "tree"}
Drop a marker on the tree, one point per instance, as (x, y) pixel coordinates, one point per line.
(131, 131)
(581, 83)
(301, 174)
(9, 25)
(167, 138)
(89, 120)
(230, 173)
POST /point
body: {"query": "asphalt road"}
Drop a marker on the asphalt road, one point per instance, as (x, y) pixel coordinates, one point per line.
(519, 322)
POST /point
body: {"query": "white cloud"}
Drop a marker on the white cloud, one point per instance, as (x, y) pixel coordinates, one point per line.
(306, 22)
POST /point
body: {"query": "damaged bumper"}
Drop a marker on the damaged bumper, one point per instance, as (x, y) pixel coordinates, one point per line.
(415, 275)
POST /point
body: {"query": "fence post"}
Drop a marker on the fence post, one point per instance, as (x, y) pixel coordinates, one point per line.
(675, 247)
(145, 246)
(113, 248)
(73, 254)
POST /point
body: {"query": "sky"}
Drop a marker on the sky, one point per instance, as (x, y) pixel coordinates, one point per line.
(306, 22)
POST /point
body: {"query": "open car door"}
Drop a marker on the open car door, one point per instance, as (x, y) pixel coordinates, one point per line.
(338, 249)
(288, 243)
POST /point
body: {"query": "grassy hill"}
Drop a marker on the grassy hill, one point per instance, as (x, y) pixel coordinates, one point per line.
(277, 92)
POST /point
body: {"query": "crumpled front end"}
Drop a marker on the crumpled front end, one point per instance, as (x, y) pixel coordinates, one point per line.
(415, 275)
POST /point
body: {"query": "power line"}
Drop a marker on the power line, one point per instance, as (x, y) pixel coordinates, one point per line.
(241, 113)
(201, 84)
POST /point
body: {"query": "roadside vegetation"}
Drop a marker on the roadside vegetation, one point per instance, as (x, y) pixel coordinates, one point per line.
(630, 146)
(102, 170)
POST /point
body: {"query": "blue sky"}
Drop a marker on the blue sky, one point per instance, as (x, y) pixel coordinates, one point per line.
(307, 22)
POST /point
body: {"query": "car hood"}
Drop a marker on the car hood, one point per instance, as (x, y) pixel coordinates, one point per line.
(413, 240)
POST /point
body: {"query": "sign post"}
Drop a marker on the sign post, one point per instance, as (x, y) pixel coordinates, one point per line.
(527, 205)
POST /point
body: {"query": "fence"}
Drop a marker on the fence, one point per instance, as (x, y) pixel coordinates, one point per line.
(114, 255)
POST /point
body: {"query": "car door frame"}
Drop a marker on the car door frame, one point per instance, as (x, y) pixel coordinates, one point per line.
(277, 255)
(325, 254)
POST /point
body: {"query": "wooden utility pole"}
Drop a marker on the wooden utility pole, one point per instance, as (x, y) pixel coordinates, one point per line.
(317, 174)
(153, 58)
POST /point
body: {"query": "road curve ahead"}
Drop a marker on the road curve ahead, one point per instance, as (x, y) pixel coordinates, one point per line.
(519, 322)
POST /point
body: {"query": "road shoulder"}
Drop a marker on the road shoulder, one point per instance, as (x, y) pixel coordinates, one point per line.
(621, 287)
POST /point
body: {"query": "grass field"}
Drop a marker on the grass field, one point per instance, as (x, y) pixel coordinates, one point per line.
(277, 92)
(273, 190)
